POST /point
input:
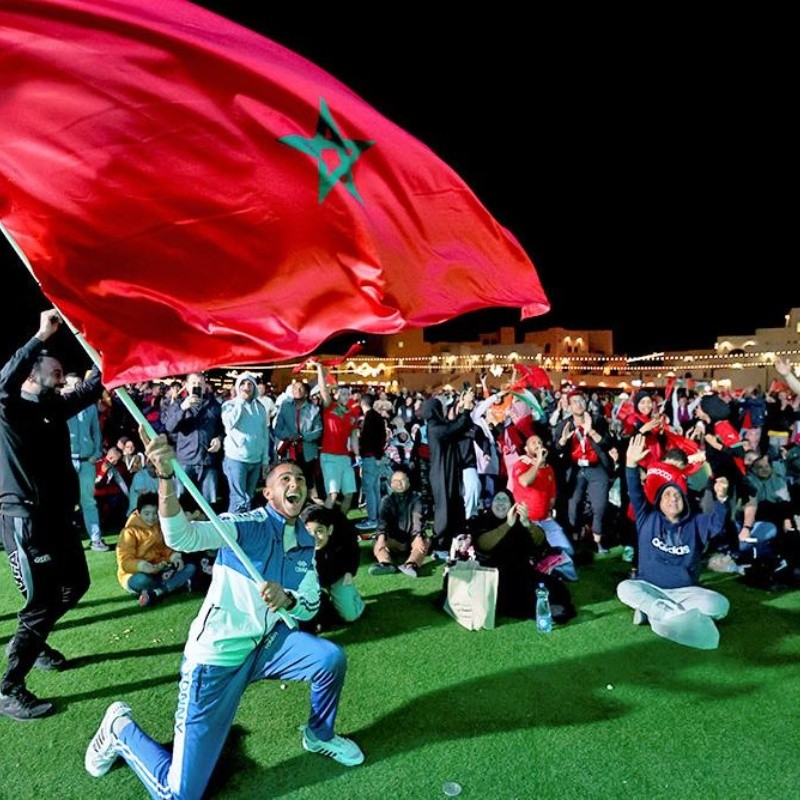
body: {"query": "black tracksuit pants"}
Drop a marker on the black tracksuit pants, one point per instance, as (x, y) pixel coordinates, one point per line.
(49, 567)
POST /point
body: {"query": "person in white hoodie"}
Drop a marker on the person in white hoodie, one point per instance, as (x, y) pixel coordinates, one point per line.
(246, 443)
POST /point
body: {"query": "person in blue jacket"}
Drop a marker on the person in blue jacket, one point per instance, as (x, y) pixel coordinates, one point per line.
(244, 632)
(671, 541)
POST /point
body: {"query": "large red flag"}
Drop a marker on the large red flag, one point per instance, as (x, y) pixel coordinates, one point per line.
(191, 194)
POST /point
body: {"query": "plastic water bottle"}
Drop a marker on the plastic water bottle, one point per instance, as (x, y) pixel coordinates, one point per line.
(544, 619)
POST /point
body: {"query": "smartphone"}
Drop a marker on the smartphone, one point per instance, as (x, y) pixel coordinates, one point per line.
(197, 391)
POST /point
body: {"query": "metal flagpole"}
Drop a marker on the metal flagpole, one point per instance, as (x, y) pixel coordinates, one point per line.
(122, 393)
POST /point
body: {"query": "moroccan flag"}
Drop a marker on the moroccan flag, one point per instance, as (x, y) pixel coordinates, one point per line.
(190, 194)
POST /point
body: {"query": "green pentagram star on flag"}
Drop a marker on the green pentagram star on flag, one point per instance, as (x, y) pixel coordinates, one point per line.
(169, 204)
(329, 139)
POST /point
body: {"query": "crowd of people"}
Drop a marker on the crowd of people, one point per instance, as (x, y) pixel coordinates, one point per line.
(540, 479)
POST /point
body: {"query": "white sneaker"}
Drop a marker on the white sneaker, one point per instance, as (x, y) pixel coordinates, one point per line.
(101, 754)
(345, 751)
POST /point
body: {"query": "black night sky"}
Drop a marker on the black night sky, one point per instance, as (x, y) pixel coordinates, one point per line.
(642, 157)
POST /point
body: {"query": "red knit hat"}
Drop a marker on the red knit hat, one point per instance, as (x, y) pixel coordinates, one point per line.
(658, 475)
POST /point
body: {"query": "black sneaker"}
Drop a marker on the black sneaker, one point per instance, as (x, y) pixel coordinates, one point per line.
(50, 659)
(20, 704)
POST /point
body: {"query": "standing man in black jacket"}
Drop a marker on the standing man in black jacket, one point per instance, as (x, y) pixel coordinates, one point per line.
(39, 493)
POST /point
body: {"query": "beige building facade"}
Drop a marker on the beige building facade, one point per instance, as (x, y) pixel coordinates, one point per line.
(579, 357)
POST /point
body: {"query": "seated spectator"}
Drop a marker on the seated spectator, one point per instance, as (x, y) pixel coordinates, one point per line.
(506, 538)
(337, 556)
(147, 567)
(534, 485)
(401, 529)
(791, 459)
(768, 482)
(672, 469)
(671, 541)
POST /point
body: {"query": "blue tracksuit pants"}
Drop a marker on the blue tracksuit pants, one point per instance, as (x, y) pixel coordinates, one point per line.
(208, 697)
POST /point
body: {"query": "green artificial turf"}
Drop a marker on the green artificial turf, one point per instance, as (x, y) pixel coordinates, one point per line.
(596, 709)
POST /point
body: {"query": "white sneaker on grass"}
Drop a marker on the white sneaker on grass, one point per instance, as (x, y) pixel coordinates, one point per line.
(345, 751)
(101, 752)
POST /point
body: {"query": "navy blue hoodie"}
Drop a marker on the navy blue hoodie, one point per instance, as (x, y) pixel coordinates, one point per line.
(670, 552)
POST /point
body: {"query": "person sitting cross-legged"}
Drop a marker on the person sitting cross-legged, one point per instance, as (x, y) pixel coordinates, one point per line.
(507, 539)
(671, 540)
(401, 529)
(337, 556)
(147, 567)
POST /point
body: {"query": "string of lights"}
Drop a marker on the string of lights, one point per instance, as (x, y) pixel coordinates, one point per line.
(572, 363)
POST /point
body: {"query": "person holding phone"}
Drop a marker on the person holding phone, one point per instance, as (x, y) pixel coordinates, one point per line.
(194, 423)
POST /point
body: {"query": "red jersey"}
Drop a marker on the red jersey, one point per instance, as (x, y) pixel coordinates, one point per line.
(538, 496)
(337, 425)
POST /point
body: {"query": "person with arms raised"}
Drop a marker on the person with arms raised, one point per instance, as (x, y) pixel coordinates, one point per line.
(671, 541)
(38, 497)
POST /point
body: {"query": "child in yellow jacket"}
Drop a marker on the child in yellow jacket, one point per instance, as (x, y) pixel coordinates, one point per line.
(146, 566)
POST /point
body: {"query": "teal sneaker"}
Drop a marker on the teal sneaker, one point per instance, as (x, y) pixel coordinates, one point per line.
(382, 569)
(345, 751)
